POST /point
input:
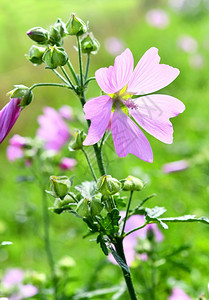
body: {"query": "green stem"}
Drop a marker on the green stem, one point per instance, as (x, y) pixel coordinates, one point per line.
(127, 211)
(60, 76)
(48, 84)
(47, 241)
(145, 224)
(90, 79)
(126, 273)
(80, 61)
(141, 203)
(67, 77)
(87, 66)
(89, 163)
(72, 71)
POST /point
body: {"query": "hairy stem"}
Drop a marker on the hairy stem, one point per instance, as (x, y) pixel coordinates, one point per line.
(127, 211)
(80, 60)
(72, 71)
(89, 163)
(87, 66)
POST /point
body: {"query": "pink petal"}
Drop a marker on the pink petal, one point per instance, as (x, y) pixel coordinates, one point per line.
(98, 110)
(176, 166)
(114, 78)
(128, 138)
(150, 76)
(153, 113)
(8, 117)
(14, 152)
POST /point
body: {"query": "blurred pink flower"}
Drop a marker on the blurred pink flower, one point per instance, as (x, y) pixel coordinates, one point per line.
(67, 163)
(53, 130)
(187, 43)
(130, 242)
(157, 18)
(15, 148)
(114, 45)
(66, 112)
(196, 61)
(178, 294)
(175, 166)
(12, 277)
(8, 116)
(28, 290)
(151, 112)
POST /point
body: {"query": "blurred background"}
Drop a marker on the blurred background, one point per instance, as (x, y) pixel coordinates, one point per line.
(180, 30)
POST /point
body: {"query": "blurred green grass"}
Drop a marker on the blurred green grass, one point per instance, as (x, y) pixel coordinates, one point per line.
(181, 193)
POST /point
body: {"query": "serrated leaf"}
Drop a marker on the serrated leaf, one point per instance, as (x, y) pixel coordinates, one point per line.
(109, 224)
(87, 189)
(155, 212)
(119, 260)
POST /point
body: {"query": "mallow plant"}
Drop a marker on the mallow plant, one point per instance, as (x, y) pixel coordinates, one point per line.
(128, 102)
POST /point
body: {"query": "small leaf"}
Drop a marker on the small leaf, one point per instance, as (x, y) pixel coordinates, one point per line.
(87, 189)
(109, 224)
(119, 260)
(165, 226)
(155, 212)
(102, 243)
(186, 218)
(6, 243)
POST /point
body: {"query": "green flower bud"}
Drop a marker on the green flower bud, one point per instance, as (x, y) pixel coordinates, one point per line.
(54, 36)
(77, 141)
(35, 278)
(61, 27)
(96, 207)
(75, 26)
(35, 54)
(132, 183)
(107, 185)
(83, 208)
(89, 44)
(22, 92)
(38, 35)
(66, 263)
(55, 57)
(60, 186)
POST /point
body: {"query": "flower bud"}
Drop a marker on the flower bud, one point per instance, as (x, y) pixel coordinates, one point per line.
(96, 207)
(38, 35)
(61, 27)
(132, 183)
(55, 57)
(107, 185)
(83, 208)
(78, 139)
(89, 44)
(75, 26)
(60, 186)
(66, 263)
(22, 92)
(54, 36)
(35, 54)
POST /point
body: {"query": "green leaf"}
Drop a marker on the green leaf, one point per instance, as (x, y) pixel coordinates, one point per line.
(102, 243)
(119, 260)
(155, 212)
(109, 224)
(87, 189)
(186, 218)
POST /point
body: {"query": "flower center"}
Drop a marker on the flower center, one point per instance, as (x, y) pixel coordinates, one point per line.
(123, 99)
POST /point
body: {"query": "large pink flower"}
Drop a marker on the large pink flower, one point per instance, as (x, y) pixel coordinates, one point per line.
(8, 116)
(152, 112)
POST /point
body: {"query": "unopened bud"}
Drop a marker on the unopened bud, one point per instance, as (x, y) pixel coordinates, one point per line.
(132, 183)
(35, 54)
(38, 35)
(61, 27)
(107, 185)
(89, 44)
(54, 36)
(22, 92)
(96, 207)
(83, 208)
(55, 57)
(75, 26)
(77, 141)
(60, 186)
(66, 263)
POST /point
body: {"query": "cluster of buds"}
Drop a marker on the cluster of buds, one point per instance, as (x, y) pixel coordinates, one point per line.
(49, 49)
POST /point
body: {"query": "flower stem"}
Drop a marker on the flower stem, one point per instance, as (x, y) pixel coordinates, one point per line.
(67, 77)
(48, 84)
(89, 163)
(80, 60)
(126, 272)
(87, 66)
(72, 71)
(145, 224)
(127, 211)
(60, 76)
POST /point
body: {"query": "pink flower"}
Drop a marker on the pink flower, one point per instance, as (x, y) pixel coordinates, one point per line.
(8, 116)
(176, 166)
(28, 290)
(152, 112)
(67, 163)
(131, 240)
(187, 44)
(114, 45)
(53, 130)
(157, 18)
(66, 112)
(15, 148)
(179, 294)
(12, 277)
